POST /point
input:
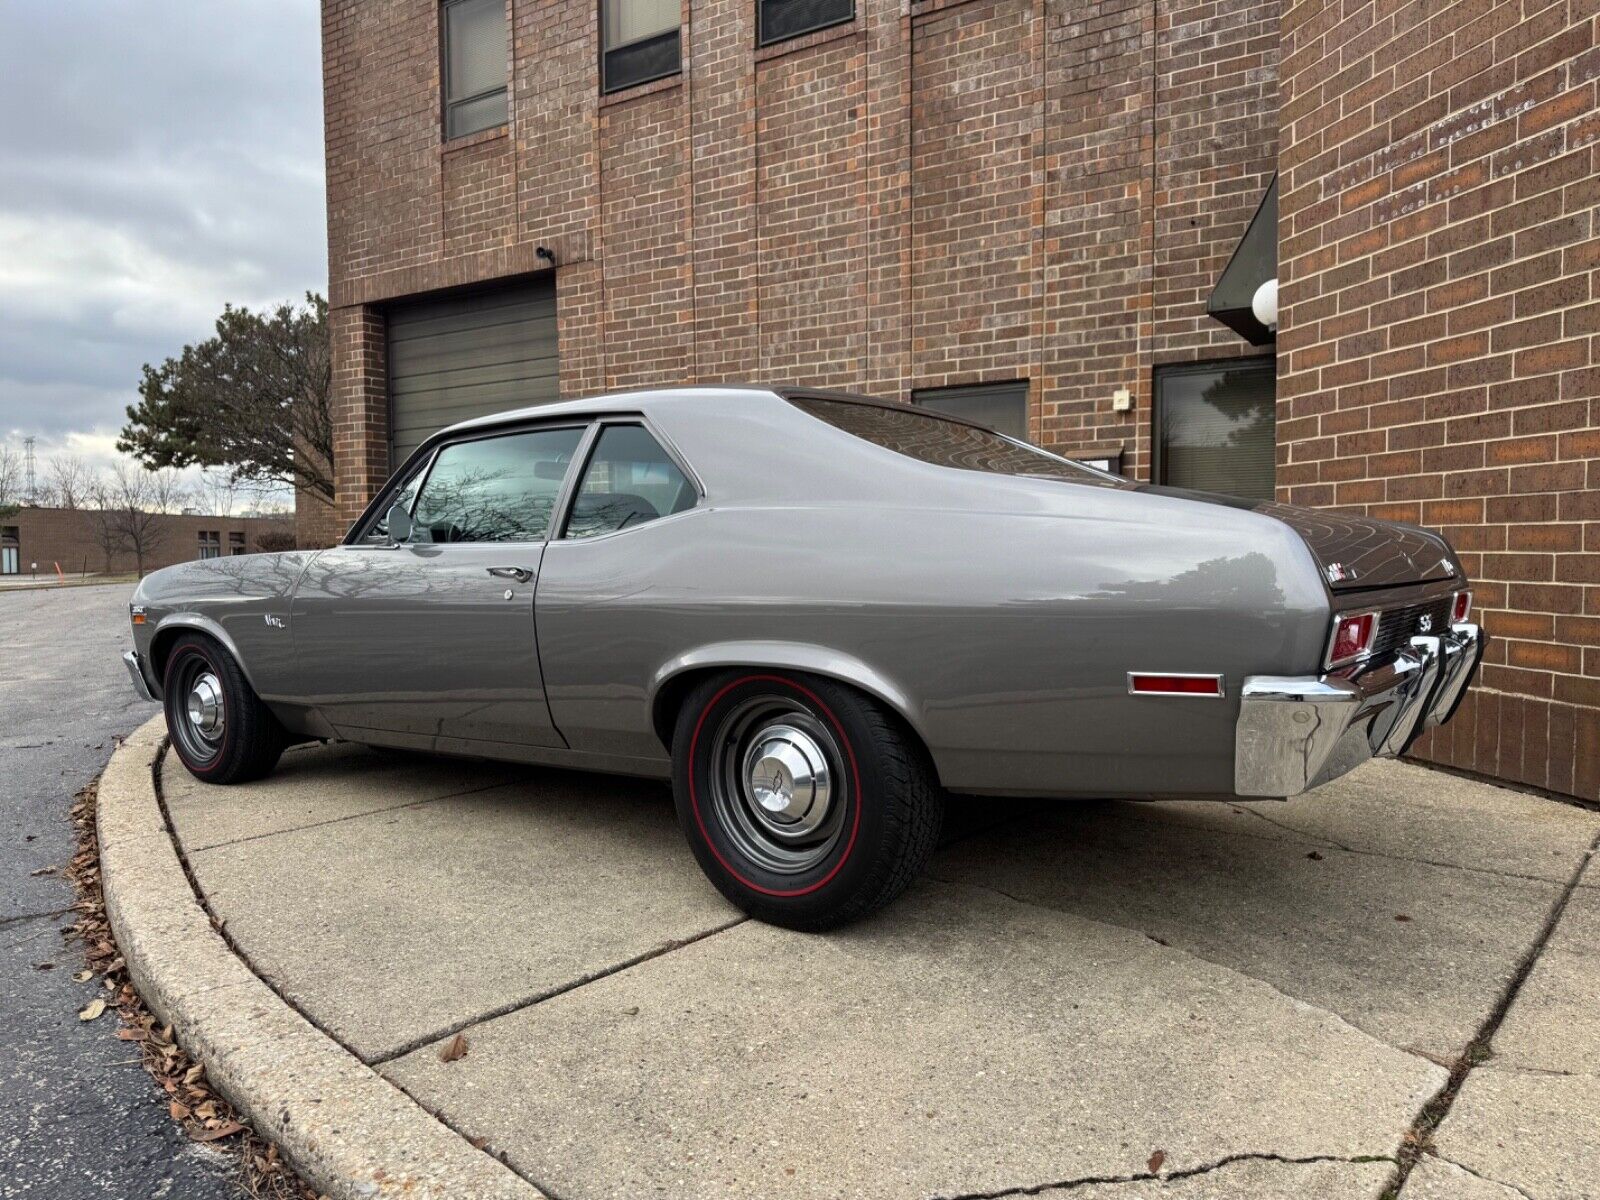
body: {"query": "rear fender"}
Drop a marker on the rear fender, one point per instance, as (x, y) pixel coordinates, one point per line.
(784, 656)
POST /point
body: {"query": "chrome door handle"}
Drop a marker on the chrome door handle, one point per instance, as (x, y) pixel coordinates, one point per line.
(520, 574)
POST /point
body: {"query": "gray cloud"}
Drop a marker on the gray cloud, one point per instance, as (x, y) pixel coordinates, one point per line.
(159, 160)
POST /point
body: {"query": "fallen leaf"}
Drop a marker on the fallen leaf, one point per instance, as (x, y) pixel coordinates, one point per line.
(178, 1111)
(42, 871)
(1315, 856)
(455, 1048)
(478, 1143)
(83, 977)
(226, 1129)
(1401, 917)
(93, 1010)
(1156, 1159)
(46, 966)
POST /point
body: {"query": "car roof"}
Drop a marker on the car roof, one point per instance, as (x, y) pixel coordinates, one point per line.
(636, 400)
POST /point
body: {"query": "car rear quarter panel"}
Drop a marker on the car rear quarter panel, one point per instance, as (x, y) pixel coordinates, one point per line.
(1004, 639)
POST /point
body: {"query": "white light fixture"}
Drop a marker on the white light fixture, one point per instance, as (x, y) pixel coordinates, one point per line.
(1264, 304)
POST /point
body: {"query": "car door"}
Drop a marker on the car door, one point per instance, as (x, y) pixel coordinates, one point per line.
(616, 588)
(430, 639)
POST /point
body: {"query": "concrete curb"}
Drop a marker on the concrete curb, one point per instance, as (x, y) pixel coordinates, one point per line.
(347, 1130)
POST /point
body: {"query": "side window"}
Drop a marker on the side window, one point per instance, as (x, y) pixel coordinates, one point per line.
(495, 489)
(630, 479)
(474, 65)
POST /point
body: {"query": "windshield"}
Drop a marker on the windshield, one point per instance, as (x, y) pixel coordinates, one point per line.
(944, 443)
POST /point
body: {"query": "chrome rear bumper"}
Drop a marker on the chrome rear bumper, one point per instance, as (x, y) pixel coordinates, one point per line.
(130, 659)
(1298, 732)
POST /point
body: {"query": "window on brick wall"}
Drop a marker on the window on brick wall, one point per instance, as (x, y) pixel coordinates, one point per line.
(783, 19)
(1003, 407)
(641, 41)
(10, 550)
(1216, 427)
(210, 543)
(236, 542)
(474, 65)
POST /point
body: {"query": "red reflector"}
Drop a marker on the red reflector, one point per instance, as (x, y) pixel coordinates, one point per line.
(1462, 606)
(1352, 637)
(1176, 685)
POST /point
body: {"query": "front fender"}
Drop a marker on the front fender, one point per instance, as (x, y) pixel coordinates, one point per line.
(786, 656)
(175, 624)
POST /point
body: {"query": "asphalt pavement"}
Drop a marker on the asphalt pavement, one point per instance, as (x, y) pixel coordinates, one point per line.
(79, 1117)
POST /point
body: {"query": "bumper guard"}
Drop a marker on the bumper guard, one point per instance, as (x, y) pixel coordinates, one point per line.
(1298, 732)
(141, 685)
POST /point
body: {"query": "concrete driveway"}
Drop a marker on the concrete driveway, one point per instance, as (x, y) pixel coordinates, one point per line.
(1103, 1000)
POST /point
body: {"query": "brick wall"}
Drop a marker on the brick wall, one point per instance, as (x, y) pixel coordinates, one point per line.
(69, 536)
(947, 191)
(1438, 354)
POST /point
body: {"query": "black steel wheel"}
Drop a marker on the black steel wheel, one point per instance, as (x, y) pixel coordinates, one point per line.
(807, 803)
(220, 729)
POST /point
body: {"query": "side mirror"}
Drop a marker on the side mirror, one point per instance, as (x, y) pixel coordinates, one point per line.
(399, 523)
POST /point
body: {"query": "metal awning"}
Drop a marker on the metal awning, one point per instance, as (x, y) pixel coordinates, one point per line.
(1254, 262)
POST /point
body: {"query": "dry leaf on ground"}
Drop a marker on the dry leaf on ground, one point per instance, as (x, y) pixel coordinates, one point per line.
(94, 1008)
(455, 1048)
(1156, 1161)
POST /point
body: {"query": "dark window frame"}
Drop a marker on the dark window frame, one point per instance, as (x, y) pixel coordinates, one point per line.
(920, 398)
(1203, 366)
(764, 39)
(446, 103)
(610, 82)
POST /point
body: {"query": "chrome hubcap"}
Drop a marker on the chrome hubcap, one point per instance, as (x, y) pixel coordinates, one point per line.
(205, 706)
(776, 784)
(786, 775)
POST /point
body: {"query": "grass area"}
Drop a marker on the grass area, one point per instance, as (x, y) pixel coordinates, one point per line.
(76, 581)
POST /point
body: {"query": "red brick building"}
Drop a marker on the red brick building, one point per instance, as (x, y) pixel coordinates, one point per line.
(1020, 209)
(36, 541)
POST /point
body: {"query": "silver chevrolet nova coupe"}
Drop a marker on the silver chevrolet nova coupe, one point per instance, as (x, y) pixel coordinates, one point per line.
(816, 614)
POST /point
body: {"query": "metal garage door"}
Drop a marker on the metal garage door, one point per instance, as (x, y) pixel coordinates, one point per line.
(468, 356)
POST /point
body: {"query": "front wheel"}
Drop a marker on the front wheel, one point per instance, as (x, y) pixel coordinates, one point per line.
(805, 802)
(220, 729)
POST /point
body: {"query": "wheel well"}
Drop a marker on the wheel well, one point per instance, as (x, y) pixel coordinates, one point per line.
(161, 648)
(669, 699)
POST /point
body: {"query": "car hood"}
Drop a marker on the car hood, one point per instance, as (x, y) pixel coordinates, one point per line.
(1355, 553)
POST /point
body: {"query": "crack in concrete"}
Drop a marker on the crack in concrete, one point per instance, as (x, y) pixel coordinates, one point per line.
(1510, 1187)
(1163, 1177)
(371, 812)
(1419, 1137)
(517, 1005)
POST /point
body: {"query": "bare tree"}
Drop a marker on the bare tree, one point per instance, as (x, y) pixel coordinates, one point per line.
(10, 479)
(164, 490)
(131, 503)
(216, 492)
(67, 481)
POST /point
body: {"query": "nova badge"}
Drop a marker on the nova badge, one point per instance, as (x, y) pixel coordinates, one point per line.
(275, 622)
(1338, 572)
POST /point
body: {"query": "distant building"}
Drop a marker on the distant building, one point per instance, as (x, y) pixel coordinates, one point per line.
(37, 540)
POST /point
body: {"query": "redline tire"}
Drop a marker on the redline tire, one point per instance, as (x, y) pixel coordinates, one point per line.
(883, 806)
(244, 739)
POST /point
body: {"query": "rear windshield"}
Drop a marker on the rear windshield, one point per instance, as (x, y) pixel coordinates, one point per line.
(932, 439)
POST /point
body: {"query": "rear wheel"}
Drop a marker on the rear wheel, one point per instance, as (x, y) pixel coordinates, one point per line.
(219, 728)
(805, 802)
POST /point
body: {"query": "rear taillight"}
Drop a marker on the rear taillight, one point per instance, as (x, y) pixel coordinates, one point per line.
(1352, 639)
(1460, 607)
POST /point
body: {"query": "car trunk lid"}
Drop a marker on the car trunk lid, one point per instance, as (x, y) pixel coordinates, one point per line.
(1354, 553)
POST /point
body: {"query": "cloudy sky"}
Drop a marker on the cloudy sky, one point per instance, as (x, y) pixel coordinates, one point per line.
(157, 160)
